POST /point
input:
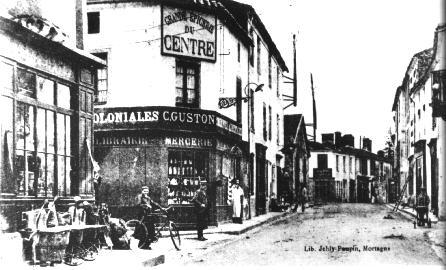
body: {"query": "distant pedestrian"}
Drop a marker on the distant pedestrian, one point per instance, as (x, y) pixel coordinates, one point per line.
(423, 201)
(304, 197)
(200, 202)
(236, 199)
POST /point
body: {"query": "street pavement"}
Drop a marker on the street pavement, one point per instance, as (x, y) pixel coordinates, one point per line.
(331, 235)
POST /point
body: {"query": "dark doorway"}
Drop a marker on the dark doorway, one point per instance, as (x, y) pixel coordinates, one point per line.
(352, 189)
(260, 179)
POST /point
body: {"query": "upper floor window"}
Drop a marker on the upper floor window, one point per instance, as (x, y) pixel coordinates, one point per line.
(238, 52)
(343, 164)
(238, 92)
(93, 22)
(277, 80)
(270, 79)
(322, 161)
(101, 95)
(337, 163)
(259, 43)
(251, 48)
(265, 135)
(278, 129)
(350, 164)
(270, 120)
(187, 80)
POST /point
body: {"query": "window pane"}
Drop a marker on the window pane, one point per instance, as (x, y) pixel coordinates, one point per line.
(179, 80)
(82, 100)
(50, 118)
(41, 174)
(68, 134)
(41, 136)
(190, 71)
(89, 103)
(190, 96)
(6, 142)
(68, 175)
(50, 174)
(102, 85)
(26, 83)
(45, 90)
(179, 69)
(63, 96)
(20, 166)
(6, 76)
(179, 95)
(190, 81)
(29, 128)
(60, 134)
(61, 175)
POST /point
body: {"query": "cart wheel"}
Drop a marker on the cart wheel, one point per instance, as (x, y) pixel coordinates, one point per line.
(175, 235)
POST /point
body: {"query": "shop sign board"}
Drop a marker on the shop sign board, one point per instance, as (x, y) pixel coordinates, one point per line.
(187, 141)
(188, 33)
(166, 118)
(121, 140)
(322, 173)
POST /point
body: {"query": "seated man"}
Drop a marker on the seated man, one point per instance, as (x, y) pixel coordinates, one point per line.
(422, 207)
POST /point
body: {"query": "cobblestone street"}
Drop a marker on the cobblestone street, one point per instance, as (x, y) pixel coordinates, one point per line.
(324, 229)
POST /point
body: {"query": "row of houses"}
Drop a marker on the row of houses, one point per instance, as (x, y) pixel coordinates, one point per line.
(419, 131)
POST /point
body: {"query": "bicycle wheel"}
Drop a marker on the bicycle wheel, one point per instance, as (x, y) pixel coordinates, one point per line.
(140, 231)
(175, 235)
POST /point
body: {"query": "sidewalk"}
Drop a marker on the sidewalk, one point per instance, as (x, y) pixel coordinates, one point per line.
(141, 259)
(436, 235)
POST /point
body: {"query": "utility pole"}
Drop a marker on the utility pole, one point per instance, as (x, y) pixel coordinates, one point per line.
(314, 110)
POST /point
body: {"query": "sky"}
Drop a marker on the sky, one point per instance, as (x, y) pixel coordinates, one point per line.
(357, 51)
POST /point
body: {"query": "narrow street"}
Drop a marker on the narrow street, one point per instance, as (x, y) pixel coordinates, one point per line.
(351, 226)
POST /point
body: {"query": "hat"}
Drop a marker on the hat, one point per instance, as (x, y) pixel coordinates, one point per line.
(76, 198)
(144, 187)
(203, 182)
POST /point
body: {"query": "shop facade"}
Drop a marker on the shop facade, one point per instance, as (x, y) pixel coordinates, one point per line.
(170, 150)
(46, 99)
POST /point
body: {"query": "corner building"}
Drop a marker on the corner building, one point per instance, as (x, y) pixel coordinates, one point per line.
(157, 117)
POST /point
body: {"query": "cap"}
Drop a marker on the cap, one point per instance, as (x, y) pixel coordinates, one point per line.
(144, 187)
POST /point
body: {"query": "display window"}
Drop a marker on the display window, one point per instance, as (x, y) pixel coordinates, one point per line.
(186, 168)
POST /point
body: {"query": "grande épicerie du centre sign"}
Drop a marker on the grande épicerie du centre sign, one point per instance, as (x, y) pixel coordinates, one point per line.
(188, 33)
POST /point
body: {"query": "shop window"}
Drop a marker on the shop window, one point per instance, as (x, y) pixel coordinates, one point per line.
(186, 168)
(277, 81)
(6, 143)
(40, 136)
(102, 76)
(93, 19)
(239, 99)
(187, 80)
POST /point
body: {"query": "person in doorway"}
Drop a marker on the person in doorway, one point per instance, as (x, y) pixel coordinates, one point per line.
(423, 201)
(200, 202)
(146, 205)
(236, 199)
(304, 197)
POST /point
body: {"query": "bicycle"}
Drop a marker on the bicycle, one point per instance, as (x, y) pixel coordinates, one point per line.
(138, 225)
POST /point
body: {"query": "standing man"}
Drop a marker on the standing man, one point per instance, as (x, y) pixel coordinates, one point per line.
(146, 205)
(236, 197)
(200, 202)
(422, 203)
(304, 197)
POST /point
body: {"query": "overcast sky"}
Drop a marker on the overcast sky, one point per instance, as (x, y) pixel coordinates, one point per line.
(357, 50)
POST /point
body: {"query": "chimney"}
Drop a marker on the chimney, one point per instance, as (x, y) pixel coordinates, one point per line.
(348, 140)
(81, 9)
(327, 138)
(367, 144)
(338, 139)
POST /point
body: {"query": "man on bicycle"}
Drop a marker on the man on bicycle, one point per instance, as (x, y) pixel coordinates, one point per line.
(146, 205)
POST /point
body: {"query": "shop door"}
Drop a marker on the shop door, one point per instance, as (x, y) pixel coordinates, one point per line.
(260, 186)
(352, 189)
(363, 191)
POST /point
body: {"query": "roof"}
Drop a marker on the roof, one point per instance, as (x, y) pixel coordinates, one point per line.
(32, 38)
(347, 150)
(234, 14)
